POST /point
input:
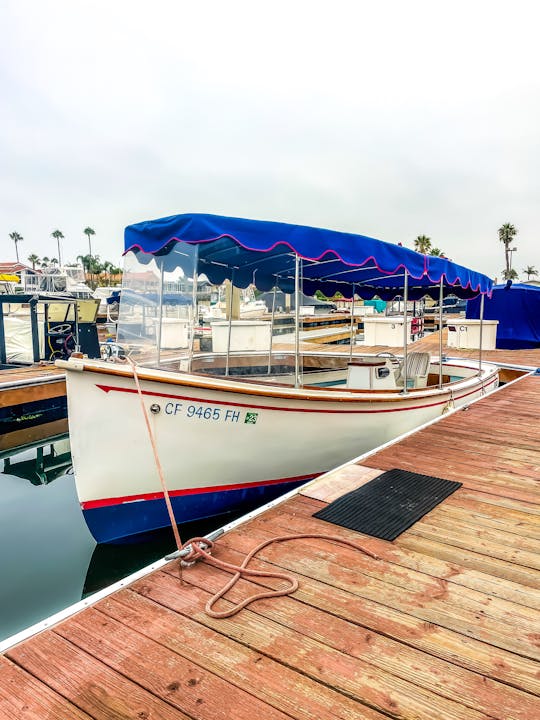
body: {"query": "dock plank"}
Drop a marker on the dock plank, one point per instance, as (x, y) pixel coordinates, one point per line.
(86, 683)
(384, 653)
(321, 662)
(480, 615)
(444, 624)
(25, 698)
(379, 617)
(164, 673)
(156, 610)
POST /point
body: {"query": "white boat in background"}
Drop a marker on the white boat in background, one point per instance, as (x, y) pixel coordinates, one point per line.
(249, 307)
(65, 279)
(236, 428)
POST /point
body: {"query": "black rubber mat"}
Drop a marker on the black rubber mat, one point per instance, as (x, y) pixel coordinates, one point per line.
(389, 504)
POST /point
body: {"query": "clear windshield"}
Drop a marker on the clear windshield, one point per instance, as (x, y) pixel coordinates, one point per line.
(155, 323)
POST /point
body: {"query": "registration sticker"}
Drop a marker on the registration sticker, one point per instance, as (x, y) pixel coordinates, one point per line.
(251, 418)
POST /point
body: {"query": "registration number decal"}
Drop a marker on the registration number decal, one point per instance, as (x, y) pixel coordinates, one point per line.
(212, 414)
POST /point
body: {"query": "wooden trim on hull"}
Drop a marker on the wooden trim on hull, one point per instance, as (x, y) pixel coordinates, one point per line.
(475, 389)
(30, 393)
(251, 387)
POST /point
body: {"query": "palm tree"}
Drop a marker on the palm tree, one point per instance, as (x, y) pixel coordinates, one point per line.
(530, 270)
(507, 232)
(57, 235)
(422, 244)
(436, 252)
(45, 261)
(92, 265)
(33, 258)
(89, 232)
(510, 274)
(85, 261)
(16, 239)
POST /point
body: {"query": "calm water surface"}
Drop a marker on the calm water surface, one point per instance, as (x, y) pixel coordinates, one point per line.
(48, 558)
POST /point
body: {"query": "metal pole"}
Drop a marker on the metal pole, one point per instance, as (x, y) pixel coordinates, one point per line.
(195, 311)
(35, 332)
(76, 318)
(230, 324)
(440, 331)
(296, 321)
(272, 328)
(405, 328)
(352, 322)
(160, 314)
(3, 352)
(481, 328)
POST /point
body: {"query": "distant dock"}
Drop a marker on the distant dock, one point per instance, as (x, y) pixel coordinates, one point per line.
(33, 404)
(444, 625)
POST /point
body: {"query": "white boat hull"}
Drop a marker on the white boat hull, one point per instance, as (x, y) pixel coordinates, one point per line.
(221, 442)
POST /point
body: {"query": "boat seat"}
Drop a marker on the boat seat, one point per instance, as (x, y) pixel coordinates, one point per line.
(417, 370)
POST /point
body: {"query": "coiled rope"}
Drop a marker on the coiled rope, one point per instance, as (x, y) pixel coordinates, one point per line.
(197, 552)
(201, 548)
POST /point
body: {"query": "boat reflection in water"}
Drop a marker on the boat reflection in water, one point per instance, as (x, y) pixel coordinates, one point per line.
(45, 546)
(48, 558)
(51, 460)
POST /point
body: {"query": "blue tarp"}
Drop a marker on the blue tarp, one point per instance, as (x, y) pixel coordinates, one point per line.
(263, 253)
(517, 308)
(131, 297)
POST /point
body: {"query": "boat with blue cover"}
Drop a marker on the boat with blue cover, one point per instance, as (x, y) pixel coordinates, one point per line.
(244, 422)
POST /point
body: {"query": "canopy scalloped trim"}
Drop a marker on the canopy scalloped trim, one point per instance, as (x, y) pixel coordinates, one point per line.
(159, 237)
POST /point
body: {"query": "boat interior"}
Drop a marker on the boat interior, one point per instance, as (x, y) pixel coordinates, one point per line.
(383, 372)
(160, 328)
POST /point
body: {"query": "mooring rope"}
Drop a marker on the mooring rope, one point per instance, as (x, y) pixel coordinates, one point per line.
(156, 457)
(201, 547)
(198, 552)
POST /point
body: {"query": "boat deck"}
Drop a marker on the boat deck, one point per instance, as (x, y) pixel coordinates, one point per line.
(445, 624)
(31, 372)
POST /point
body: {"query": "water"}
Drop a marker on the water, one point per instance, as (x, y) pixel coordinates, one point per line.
(48, 558)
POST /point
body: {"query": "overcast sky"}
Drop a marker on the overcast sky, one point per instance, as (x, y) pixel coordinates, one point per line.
(390, 119)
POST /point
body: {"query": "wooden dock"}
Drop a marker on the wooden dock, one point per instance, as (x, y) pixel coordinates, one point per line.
(446, 624)
(33, 404)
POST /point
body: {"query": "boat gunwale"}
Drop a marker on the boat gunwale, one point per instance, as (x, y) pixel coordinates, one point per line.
(261, 389)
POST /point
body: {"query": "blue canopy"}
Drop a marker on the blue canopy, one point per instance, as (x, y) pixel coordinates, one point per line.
(263, 253)
(517, 308)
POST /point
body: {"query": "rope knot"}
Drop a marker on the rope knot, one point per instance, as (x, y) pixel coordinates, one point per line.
(198, 548)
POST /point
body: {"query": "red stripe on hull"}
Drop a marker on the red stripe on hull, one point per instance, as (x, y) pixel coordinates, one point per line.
(90, 504)
(110, 388)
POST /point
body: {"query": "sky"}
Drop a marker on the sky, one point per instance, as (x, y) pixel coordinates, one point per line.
(389, 119)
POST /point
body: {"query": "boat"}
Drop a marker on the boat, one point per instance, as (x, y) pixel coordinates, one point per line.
(35, 330)
(515, 307)
(68, 280)
(238, 426)
(249, 307)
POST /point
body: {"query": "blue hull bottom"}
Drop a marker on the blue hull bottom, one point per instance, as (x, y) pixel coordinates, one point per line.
(120, 523)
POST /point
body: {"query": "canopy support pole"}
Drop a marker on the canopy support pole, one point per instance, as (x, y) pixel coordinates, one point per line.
(230, 324)
(296, 321)
(440, 331)
(160, 318)
(195, 319)
(481, 328)
(352, 322)
(405, 329)
(272, 328)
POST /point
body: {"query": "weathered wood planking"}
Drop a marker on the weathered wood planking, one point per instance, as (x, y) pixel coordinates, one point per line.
(445, 624)
(25, 698)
